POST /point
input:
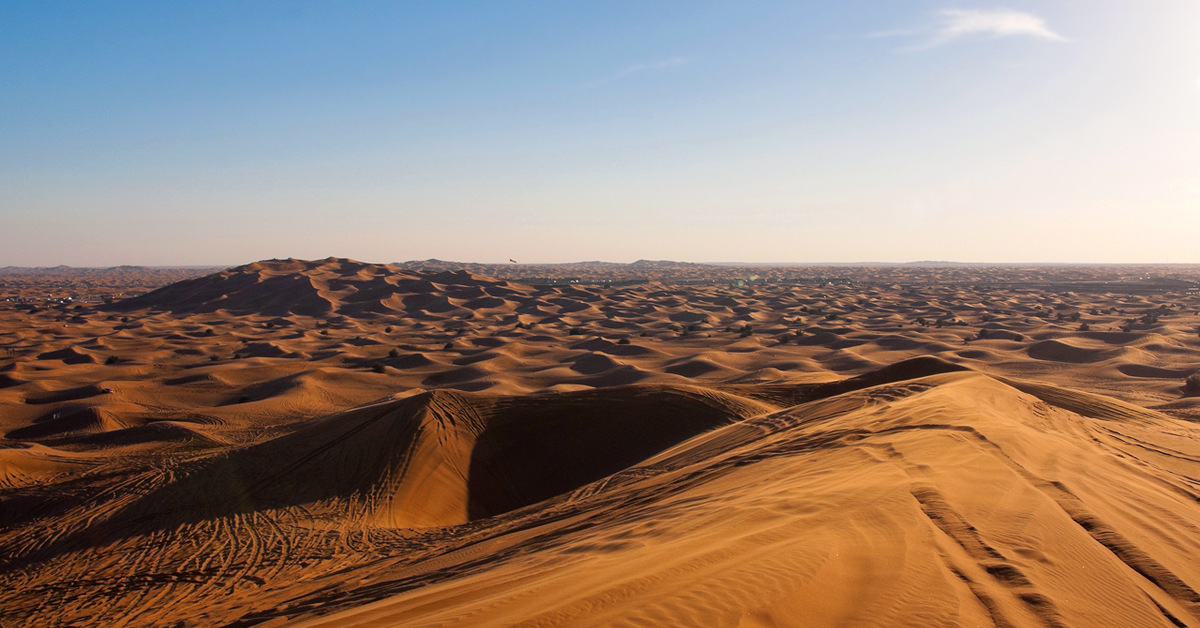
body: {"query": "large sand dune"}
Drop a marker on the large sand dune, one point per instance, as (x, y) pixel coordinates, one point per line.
(339, 443)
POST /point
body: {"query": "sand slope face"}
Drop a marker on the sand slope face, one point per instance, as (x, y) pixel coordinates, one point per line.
(898, 498)
(947, 500)
(439, 458)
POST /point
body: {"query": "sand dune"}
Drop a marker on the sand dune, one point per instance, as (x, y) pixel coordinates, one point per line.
(338, 443)
(1060, 351)
(70, 420)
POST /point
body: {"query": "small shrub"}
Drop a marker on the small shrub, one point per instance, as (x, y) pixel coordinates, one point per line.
(1191, 385)
(387, 330)
(448, 346)
(1084, 326)
(577, 331)
(112, 359)
(623, 341)
(379, 368)
(394, 353)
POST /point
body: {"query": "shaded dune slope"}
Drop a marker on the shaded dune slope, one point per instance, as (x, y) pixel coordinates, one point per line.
(441, 457)
(75, 420)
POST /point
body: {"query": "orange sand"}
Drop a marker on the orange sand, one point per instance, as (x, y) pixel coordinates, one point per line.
(336, 443)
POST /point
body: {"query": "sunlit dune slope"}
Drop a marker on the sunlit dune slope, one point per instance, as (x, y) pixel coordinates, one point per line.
(946, 500)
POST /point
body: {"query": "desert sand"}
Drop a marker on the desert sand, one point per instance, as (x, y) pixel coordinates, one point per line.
(336, 443)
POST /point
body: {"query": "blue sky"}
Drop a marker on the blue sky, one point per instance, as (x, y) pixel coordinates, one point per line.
(222, 133)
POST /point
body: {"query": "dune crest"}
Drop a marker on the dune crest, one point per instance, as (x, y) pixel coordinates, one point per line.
(325, 287)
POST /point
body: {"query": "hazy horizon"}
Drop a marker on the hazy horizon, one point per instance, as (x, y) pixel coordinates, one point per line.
(981, 132)
(854, 264)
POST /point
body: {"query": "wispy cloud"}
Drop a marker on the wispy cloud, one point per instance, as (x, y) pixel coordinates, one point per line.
(958, 24)
(638, 68)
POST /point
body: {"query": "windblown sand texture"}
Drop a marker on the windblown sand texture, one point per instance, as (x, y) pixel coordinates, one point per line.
(334, 443)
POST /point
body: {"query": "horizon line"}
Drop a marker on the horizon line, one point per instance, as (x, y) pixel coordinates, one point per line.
(925, 262)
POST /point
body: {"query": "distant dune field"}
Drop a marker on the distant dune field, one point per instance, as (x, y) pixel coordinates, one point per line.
(337, 443)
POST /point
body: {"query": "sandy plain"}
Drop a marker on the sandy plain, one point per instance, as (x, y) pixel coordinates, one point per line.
(335, 443)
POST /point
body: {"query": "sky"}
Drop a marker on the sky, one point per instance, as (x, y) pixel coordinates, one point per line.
(219, 133)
